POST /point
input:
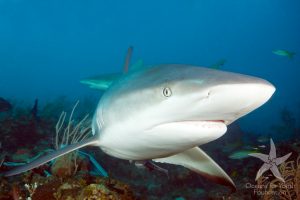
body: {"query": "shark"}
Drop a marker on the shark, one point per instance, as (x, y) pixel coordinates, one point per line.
(164, 113)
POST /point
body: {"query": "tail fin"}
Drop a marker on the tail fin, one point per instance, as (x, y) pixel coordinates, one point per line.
(42, 160)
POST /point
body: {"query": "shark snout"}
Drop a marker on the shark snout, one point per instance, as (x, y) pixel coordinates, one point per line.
(232, 101)
(248, 97)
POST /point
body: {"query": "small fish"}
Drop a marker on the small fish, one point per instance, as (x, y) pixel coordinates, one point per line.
(242, 154)
(286, 53)
(262, 146)
(249, 147)
(4, 105)
(232, 146)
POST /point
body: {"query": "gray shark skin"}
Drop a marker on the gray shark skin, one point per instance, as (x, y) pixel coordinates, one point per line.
(163, 113)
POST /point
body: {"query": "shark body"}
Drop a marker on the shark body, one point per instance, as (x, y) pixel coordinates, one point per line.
(163, 113)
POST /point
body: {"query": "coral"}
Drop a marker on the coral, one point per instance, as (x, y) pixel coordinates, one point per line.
(106, 189)
(288, 190)
(73, 131)
(46, 190)
(69, 165)
(69, 133)
(16, 192)
(4, 189)
(79, 189)
(31, 188)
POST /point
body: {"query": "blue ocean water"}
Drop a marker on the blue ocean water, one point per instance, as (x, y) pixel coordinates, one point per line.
(47, 47)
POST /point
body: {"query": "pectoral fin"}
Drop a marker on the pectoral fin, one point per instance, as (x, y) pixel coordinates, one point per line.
(198, 161)
(55, 154)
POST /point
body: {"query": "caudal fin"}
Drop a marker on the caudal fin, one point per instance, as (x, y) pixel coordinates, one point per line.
(42, 160)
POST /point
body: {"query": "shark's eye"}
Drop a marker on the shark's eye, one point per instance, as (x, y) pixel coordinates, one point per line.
(167, 92)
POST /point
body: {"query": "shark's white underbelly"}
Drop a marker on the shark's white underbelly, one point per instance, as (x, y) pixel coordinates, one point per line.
(161, 141)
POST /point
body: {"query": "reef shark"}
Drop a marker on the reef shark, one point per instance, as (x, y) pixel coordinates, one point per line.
(164, 112)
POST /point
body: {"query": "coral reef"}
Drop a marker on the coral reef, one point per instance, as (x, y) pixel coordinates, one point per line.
(35, 187)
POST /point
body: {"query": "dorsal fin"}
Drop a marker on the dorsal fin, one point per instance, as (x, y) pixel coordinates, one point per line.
(127, 59)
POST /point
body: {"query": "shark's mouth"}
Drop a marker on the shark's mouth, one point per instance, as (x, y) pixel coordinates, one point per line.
(194, 125)
(203, 124)
(190, 132)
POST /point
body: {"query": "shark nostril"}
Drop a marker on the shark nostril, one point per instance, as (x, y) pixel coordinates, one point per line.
(208, 94)
(205, 96)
